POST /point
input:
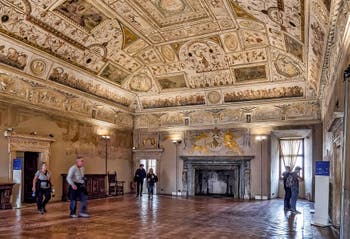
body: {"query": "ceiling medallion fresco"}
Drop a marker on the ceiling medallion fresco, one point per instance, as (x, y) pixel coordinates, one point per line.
(158, 48)
(141, 83)
(214, 97)
(82, 13)
(250, 73)
(172, 82)
(114, 74)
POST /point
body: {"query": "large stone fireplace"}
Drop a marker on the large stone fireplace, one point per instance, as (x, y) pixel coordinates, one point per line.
(217, 175)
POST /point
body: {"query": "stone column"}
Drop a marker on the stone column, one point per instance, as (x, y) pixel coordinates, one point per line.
(246, 180)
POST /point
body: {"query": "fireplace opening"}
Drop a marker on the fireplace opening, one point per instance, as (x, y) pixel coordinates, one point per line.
(217, 182)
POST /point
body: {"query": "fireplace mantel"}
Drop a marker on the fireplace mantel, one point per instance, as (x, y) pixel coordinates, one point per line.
(193, 163)
(218, 158)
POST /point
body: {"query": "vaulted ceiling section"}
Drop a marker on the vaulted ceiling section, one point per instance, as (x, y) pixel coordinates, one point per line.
(142, 57)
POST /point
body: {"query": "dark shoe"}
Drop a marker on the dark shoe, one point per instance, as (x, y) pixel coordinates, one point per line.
(41, 211)
(73, 216)
(44, 209)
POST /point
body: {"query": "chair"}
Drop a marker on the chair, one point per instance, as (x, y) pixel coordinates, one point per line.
(115, 187)
(112, 183)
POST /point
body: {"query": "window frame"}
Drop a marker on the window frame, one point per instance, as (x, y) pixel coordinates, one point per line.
(301, 175)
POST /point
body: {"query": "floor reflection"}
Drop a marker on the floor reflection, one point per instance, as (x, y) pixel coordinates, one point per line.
(165, 217)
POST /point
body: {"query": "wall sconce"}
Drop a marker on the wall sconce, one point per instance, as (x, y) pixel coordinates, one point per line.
(260, 137)
(177, 141)
(106, 137)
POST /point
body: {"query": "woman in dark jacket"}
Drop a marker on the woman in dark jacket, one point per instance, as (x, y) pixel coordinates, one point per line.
(151, 180)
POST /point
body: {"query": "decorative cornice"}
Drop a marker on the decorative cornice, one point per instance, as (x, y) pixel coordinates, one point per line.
(330, 41)
(48, 28)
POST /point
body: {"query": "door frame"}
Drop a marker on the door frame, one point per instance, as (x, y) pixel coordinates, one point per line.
(25, 143)
(147, 154)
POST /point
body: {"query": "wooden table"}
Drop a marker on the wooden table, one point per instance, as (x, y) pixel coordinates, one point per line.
(5, 195)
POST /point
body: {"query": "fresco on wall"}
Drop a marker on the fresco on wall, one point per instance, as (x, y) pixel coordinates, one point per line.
(171, 82)
(12, 57)
(82, 13)
(217, 142)
(250, 73)
(293, 47)
(283, 92)
(114, 74)
(197, 99)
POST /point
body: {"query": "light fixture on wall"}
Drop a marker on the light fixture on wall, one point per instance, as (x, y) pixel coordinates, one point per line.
(261, 138)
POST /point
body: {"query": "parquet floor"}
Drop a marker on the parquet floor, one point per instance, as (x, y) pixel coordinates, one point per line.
(164, 217)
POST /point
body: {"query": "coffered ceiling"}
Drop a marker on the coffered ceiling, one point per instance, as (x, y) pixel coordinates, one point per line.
(169, 54)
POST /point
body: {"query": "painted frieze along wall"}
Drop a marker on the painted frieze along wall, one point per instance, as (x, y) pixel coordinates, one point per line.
(62, 101)
(26, 60)
(277, 113)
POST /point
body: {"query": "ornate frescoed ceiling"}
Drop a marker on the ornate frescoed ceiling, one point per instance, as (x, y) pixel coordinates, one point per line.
(161, 54)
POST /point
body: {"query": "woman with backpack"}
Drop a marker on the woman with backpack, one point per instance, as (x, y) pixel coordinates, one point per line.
(42, 186)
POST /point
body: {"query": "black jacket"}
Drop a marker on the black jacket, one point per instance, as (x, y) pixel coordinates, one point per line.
(140, 175)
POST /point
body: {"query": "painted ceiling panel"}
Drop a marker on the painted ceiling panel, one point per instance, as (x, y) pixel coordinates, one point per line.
(155, 49)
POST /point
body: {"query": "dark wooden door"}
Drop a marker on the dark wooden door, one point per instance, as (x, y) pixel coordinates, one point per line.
(29, 170)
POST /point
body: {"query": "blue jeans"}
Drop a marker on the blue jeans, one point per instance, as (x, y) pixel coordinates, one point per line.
(150, 188)
(287, 196)
(80, 194)
(294, 198)
(139, 187)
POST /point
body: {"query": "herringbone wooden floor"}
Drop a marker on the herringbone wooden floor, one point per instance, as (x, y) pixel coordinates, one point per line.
(164, 217)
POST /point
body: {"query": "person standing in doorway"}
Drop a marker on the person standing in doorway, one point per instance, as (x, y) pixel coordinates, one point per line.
(287, 190)
(294, 185)
(77, 188)
(140, 176)
(42, 187)
(151, 180)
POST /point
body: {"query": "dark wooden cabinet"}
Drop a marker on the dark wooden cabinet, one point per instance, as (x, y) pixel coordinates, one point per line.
(95, 185)
(5, 195)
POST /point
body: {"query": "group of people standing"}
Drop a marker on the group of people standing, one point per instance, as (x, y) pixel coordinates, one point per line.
(43, 187)
(139, 178)
(291, 188)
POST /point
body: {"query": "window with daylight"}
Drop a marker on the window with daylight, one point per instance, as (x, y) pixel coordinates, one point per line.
(292, 154)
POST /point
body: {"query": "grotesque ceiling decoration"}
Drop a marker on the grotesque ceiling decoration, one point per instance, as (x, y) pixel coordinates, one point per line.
(143, 55)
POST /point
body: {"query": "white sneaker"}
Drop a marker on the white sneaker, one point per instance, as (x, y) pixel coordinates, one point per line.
(73, 216)
(83, 215)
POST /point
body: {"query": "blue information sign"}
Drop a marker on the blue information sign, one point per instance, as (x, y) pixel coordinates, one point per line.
(17, 164)
(322, 168)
